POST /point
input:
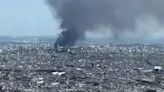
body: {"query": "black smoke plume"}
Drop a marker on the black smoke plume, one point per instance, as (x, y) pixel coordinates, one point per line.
(79, 16)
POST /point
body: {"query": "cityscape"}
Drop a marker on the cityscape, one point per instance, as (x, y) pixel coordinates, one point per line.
(36, 65)
(81, 45)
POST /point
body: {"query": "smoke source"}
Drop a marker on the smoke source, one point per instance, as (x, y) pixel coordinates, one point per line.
(79, 16)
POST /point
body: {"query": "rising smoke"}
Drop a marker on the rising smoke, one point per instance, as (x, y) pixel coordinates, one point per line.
(79, 16)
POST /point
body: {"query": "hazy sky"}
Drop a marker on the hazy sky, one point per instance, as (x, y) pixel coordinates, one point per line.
(26, 17)
(34, 18)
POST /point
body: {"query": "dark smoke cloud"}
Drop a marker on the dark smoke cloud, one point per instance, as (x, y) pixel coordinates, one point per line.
(78, 16)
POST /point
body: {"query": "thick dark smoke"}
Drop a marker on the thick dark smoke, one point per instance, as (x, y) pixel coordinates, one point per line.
(78, 16)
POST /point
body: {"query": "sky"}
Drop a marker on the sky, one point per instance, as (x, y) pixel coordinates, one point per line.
(35, 18)
(27, 18)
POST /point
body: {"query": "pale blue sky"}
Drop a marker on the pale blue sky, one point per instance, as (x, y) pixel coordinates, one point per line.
(26, 18)
(34, 18)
